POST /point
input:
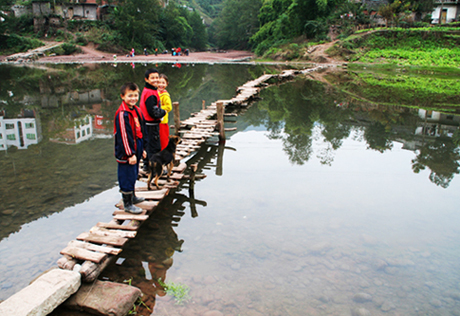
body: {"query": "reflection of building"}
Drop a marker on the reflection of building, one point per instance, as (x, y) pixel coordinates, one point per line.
(437, 124)
(433, 124)
(82, 130)
(20, 132)
(100, 127)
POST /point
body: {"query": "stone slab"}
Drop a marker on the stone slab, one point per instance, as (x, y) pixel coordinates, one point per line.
(104, 298)
(43, 295)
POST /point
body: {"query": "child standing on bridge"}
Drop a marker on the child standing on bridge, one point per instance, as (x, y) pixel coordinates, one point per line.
(129, 145)
(166, 105)
(152, 112)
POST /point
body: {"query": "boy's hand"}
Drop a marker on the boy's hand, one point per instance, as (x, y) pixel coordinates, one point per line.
(144, 154)
(132, 160)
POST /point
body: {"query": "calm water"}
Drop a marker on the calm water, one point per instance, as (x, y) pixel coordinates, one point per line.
(323, 204)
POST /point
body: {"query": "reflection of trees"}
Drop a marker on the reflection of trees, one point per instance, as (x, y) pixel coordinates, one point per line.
(293, 110)
(298, 148)
(377, 137)
(441, 157)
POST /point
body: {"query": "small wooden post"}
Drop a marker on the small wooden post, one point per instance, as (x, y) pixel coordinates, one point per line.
(220, 121)
(204, 104)
(191, 189)
(220, 160)
(176, 117)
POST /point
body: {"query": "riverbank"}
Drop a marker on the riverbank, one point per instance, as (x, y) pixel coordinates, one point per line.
(89, 54)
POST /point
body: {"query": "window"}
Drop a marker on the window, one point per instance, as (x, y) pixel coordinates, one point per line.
(78, 135)
(30, 136)
(1, 136)
(9, 126)
(11, 137)
(88, 131)
(87, 120)
(30, 125)
(83, 133)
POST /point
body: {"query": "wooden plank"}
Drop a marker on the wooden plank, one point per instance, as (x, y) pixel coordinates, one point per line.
(145, 206)
(177, 176)
(113, 225)
(112, 232)
(182, 153)
(83, 254)
(153, 194)
(134, 217)
(93, 247)
(108, 240)
(121, 208)
(180, 168)
(190, 136)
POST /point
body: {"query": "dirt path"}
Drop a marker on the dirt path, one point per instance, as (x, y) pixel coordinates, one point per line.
(90, 55)
(318, 54)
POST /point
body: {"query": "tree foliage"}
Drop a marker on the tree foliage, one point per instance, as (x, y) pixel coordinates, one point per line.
(136, 21)
(236, 23)
(144, 23)
(283, 20)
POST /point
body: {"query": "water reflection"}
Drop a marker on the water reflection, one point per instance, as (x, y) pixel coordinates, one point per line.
(291, 113)
(46, 108)
(327, 206)
(20, 132)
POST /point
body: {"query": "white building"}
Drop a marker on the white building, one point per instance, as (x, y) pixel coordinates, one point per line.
(450, 11)
(19, 132)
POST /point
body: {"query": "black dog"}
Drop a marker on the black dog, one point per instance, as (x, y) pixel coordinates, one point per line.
(163, 158)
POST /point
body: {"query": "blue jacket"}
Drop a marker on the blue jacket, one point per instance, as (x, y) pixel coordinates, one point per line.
(125, 132)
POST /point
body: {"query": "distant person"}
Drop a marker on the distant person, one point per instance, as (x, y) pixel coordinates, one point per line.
(156, 51)
(129, 145)
(145, 52)
(178, 51)
(186, 52)
(132, 52)
(153, 113)
(166, 105)
(173, 51)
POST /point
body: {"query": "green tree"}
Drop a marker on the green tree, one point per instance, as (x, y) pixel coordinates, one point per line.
(5, 6)
(236, 23)
(283, 20)
(199, 38)
(175, 30)
(137, 22)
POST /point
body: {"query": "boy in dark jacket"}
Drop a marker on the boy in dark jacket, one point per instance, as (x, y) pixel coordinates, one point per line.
(129, 146)
(151, 110)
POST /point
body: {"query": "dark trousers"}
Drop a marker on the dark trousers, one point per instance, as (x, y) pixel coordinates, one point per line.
(127, 174)
(153, 144)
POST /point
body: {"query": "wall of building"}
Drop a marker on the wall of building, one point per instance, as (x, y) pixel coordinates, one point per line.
(452, 13)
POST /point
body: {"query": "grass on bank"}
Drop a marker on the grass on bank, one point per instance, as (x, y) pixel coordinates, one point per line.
(428, 47)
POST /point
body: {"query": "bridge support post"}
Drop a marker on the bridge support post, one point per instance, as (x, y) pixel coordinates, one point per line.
(220, 121)
(176, 117)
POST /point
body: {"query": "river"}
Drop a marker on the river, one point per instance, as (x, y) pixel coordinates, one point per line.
(331, 199)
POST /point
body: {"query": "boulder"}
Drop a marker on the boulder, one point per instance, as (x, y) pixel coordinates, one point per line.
(43, 295)
(104, 298)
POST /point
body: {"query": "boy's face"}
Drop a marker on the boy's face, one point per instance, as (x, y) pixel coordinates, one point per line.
(162, 84)
(130, 97)
(153, 79)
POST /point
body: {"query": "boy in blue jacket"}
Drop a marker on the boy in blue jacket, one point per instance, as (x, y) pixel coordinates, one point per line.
(129, 146)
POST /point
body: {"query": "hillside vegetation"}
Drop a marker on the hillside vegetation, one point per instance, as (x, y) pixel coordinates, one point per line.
(273, 29)
(434, 46)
